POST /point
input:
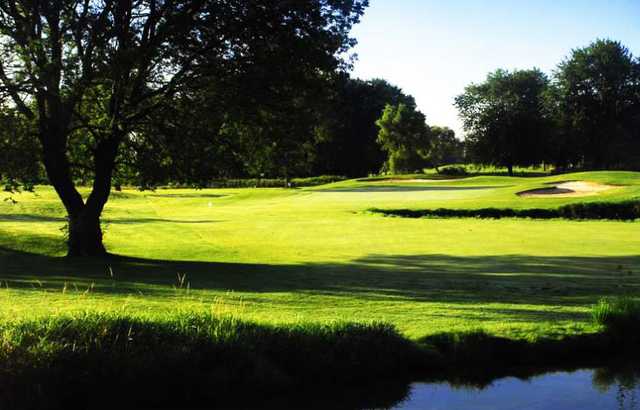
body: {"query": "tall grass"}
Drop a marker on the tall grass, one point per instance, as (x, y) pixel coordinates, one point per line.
(118, 360)
(618, 314)
(185, 358)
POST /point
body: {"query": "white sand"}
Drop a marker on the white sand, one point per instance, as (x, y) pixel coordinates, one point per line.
(569, 189)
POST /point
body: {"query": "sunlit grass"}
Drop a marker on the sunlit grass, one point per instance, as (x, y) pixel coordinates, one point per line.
(316, 255)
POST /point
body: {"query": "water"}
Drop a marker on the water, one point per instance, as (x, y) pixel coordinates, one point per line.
(600, 389)
(611, 388)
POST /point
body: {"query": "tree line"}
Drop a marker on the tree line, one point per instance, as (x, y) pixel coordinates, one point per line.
(586, 115)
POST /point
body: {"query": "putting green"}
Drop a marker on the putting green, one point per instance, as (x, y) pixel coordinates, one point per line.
(316, 254)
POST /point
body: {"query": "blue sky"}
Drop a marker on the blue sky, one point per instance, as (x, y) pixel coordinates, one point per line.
(433, 48)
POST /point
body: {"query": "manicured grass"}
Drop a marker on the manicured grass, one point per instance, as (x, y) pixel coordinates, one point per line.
(282, 256)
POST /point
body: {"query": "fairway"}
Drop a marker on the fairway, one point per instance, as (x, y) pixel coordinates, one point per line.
(317, 254)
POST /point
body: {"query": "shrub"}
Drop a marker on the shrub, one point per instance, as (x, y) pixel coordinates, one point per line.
(453, 170)
(625, 211)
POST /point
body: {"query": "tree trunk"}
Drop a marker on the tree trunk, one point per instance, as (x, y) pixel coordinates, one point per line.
(286, 177)
(510, 169)
(85, 234)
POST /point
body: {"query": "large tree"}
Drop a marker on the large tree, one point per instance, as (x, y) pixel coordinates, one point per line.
(445, 147)
(405, 136)
(505, 118)
(598, 104)
(88, 74)
(349, 144)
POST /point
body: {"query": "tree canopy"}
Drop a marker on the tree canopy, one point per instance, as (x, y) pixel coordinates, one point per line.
(405, 136)
(505, 119)
(445, 147)
(598, 104)
(350, 146)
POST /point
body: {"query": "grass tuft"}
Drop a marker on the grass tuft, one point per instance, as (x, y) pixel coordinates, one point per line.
(617, 314)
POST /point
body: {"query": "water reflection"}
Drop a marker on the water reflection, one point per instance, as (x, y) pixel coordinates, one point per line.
(606, 388)
(599, 389)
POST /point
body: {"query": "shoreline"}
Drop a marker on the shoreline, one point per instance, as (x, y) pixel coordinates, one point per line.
(191, 360)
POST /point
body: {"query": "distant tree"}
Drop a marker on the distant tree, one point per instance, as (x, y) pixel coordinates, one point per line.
(598, 104)
(19, 151)
(505, 119)
(445, 147)
(405, 136)
(348, 144)
(90, 74)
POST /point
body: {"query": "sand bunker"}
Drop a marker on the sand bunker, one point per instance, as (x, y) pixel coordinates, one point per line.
(569, 189)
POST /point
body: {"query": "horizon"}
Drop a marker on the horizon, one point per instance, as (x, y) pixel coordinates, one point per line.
(432, 50)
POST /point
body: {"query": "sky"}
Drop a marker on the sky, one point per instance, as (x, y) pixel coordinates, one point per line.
(432, 49)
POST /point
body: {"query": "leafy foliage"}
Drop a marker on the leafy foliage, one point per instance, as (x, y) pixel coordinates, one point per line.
(405, 136)
(349, 133)
(598, 105)
(92, 77)
(505, 119)
(445, 148)
(19, 159)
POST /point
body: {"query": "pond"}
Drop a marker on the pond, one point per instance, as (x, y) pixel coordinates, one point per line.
(586, 389)
(599, 389)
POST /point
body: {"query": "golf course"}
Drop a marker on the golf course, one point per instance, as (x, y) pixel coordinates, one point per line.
(319, 255)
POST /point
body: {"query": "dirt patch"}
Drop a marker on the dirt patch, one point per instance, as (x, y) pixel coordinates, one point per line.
(569, 189)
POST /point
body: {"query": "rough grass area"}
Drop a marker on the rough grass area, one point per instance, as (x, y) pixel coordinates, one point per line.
(186, 359)
(618, 315)
(624, 211)
(203, 360)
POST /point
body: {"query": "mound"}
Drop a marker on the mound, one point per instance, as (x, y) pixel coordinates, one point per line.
(569, 189)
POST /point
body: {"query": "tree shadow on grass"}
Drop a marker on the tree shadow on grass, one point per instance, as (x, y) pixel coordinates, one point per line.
(115, 221)
(512, 279)
(182, 195)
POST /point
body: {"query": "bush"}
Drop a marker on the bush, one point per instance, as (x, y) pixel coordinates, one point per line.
(625, 211)
(453, 170)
